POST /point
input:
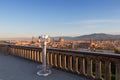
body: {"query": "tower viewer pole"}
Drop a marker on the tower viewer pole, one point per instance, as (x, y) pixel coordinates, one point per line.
(44, 71)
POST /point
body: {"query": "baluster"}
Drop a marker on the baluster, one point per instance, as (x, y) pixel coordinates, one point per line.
(65, 62)
(27, 54)
(56, 60)
(76, 64)
(18, 52)
(60, 60)
(15, 52)
(32, 55)
(9, 50)
(71, 63)
(24, 53)
(12, 51)
(35, 52)
(51, 59)
(40, 56)
(68, 64)
(37, 55)
(48, 58)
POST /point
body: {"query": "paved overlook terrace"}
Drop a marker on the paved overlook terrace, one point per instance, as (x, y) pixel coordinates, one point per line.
(20, 63)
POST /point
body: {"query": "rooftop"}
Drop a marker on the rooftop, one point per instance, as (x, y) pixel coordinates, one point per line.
(15, 68)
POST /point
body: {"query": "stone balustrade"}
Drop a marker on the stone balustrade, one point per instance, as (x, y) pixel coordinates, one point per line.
(88, 64)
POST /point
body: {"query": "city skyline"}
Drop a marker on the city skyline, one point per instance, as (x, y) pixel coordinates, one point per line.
(26, 18)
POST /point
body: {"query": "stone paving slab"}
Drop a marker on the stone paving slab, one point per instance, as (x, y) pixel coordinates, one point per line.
(14, 68)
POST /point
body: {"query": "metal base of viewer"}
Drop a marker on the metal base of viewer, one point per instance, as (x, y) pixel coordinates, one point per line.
(43, 72)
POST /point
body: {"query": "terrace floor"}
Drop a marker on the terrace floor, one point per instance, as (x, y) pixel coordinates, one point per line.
(14, 68)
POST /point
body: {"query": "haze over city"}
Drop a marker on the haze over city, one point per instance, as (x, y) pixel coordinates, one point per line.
(26, 18)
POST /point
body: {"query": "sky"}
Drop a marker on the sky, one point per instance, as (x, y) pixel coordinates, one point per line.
(27, 18)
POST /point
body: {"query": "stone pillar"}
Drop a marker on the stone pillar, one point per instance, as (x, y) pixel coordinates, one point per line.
(82, 66)
(118, 71)
(107, 70)
(98, 70)
(89, 67)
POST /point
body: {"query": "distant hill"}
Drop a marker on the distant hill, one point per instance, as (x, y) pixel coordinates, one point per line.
(99, 36)
(95, 36)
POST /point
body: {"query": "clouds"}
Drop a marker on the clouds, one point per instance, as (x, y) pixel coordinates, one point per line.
(97, 21)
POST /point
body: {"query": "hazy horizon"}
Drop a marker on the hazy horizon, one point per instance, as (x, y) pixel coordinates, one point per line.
(36, 37)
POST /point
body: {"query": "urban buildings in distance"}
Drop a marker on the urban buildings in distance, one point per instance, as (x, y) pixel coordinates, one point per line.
(61, 43)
